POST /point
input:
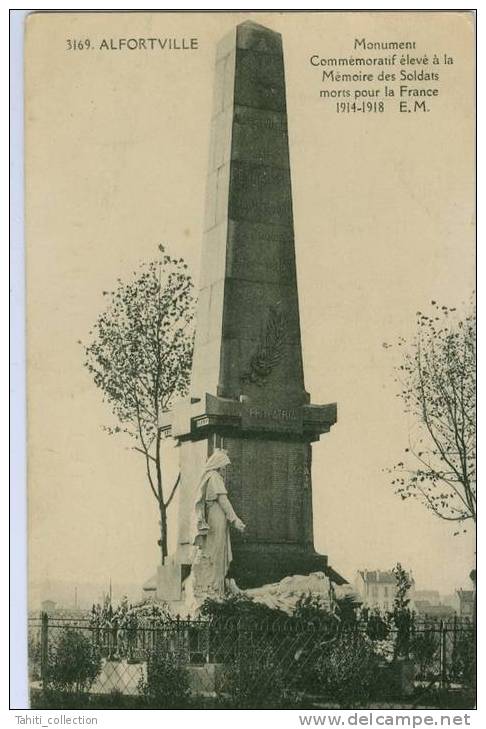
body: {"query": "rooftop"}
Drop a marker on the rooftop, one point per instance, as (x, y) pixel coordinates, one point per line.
(466, 595)
(382, 576)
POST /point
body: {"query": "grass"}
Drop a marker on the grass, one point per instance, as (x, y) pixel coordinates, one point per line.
(434, 699)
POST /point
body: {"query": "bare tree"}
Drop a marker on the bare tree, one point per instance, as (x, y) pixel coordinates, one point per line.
(438, 388)
(140, 356)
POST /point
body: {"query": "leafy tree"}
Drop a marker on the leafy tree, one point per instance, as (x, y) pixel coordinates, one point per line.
(401, 600)
(438, 381)
(402, 615)
(140, 357)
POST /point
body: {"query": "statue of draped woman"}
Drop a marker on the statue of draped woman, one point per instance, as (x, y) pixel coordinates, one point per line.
(212, 516)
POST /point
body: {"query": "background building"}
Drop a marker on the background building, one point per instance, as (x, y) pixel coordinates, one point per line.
(48, 606)
(431, 603)
(465, 603)
(377, 588)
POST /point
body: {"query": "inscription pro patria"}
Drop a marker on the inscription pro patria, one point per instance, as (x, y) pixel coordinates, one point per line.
(247, 392)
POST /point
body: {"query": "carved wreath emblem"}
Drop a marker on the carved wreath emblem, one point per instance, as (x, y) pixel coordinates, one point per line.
(270, 349)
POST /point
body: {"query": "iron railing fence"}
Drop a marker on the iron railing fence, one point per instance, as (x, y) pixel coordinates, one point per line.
(239, 655)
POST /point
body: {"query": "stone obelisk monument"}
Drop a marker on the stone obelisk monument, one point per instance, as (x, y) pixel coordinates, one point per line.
(247, 393)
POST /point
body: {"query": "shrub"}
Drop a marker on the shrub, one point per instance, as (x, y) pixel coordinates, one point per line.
(74, 662)
(314, 608)
(347, 608)
(34, 657)
(424, 648)
(53, 698)
(310, 608)
(349, 670)
(239, 606)
(256, 679)
(384, 650)
(377, 627)
(167, 683)
(463, 667)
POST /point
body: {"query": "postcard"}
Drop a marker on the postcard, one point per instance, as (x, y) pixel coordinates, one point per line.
(250, 244)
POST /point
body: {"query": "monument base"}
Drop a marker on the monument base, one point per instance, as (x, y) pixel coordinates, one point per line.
(166, 584)
(256, 564)
(204, 680)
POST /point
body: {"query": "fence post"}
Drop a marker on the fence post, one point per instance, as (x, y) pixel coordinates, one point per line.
(443, 654)
(207, 641)
(454, 644)
(44, 652)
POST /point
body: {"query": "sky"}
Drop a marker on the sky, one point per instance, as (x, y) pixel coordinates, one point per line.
(117, 147)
